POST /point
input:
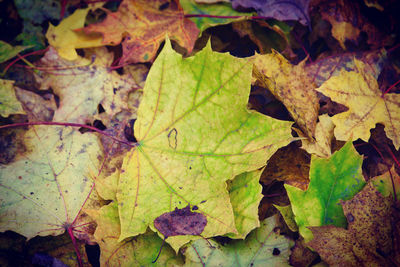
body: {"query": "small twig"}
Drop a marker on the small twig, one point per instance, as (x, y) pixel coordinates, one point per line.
(390, 88)
(23, 59)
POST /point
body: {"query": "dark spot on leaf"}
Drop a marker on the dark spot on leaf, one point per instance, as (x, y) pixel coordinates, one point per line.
(195, 208)
(172, 138)
(163, 6)
(99, 125)
(204, 201)
(276, 252)
(350, 217)
(60, 147)
(20, 177)
(100, 109)
(32, 193)
(180, 222)
(190, 167)
(180, 187)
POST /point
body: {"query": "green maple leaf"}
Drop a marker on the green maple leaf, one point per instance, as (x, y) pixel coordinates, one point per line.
(194, 133)
(260, 248)
(44, 188)
(331, 180)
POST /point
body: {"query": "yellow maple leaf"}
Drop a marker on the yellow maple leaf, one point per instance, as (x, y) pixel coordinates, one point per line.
(65, 39)
(359, 91)
(292, 86)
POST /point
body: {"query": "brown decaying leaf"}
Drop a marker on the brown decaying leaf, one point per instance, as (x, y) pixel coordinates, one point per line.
(301, 255)
(145, 24)
(348, 22)
(369, 230)
(180, 222)
(292, 86)
(378, 162)
(289, 164)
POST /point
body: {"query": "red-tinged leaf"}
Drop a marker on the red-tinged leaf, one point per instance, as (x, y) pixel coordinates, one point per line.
(145, 25)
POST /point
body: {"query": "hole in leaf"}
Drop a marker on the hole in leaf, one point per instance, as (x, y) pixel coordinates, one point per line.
(99, 125)
(276, 252)
(93, 254)
(128, 131)
(163, 6)
(100, 109)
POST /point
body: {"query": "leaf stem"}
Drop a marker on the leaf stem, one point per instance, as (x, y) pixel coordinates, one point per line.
(71, 124)
(23, 59)
(390, 88)
(78, 254)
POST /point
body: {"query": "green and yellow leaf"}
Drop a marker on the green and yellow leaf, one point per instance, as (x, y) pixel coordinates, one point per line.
(331, 180)
(194, 133)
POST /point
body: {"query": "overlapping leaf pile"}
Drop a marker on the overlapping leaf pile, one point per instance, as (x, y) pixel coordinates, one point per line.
(206, 150)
